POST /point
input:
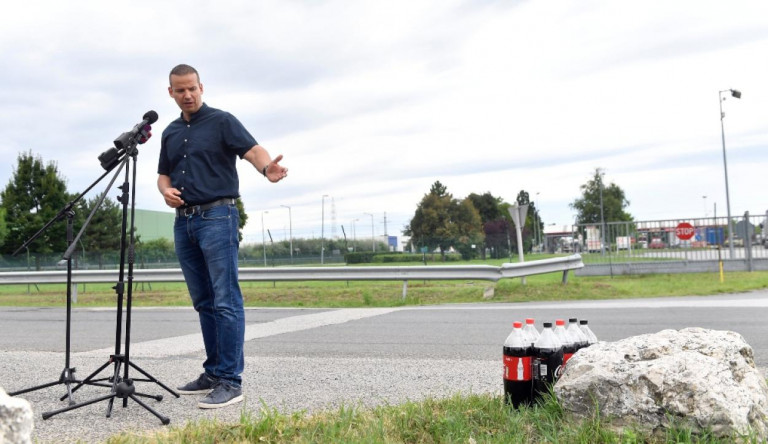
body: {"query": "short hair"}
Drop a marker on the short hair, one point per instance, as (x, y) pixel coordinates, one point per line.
(183, 70)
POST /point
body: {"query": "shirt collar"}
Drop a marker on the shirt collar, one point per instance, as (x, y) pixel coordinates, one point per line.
(205, 109)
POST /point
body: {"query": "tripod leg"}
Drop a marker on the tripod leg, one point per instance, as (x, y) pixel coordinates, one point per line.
(153, 379)
(164, 419)
(86, 380)
(31, 389)
(115, 383)
(47, 415)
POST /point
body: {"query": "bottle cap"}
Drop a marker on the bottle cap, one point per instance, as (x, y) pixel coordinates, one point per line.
(517, 324)
(560, 322)
(547, 325)
(573, 320)
(529, 320)
(583, 322)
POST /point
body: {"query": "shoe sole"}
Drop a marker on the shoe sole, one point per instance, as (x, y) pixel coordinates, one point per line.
(234, 400)
(193, 392)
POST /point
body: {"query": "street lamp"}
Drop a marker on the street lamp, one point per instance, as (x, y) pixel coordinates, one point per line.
(290, 229)
(354, 235)
(600, 174)
(536, 224)
(373, 239)
(263, 240)
(737, 94)
(322, 232)
(705, 206)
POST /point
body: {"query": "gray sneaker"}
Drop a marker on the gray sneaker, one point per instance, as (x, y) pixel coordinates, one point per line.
(222, 395)
(202, 385)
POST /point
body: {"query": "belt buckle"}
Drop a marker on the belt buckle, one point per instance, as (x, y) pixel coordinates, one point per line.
(189, 211)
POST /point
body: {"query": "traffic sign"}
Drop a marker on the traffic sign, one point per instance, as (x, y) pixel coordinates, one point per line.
(684, 231)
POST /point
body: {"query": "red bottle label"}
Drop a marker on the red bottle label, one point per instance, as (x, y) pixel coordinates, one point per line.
(517, 368)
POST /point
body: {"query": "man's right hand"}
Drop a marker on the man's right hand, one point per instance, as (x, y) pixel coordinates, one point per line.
(172, 197)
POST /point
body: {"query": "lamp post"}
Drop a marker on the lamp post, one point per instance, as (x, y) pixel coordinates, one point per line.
(536, 233)
(737, 94)
(263, 240)
(290, 229)
(600, 174)
(373, 239)
(705, 207)
(322, 232)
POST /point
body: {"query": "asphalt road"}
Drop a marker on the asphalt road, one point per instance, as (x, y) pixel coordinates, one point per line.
(309, 359)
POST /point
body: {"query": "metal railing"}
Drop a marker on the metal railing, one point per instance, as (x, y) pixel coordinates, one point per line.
(332, 273)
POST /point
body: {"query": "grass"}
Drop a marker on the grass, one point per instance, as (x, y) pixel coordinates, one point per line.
(460, 419)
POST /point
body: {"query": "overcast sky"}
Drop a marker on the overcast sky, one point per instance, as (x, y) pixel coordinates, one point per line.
(371, 102)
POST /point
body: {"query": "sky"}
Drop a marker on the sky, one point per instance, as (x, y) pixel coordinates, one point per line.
(371, 102)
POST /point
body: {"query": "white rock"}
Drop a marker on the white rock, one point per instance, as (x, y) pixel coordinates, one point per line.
(15, 420)
(704, 379)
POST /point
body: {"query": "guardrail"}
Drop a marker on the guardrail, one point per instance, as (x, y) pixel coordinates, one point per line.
(334, 273)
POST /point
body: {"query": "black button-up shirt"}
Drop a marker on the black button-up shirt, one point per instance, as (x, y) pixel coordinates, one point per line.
(200, 155)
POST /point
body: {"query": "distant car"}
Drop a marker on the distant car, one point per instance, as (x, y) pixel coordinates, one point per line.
(657, 243)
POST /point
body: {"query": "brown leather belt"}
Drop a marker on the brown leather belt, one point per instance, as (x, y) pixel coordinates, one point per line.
(197, 209)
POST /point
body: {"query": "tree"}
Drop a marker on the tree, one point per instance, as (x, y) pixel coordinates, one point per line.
(588, 205)
(243, 218)
(487, 206)
(440, 221)
(493, 216)
(102, 235)
(34, 195)
(3, 227)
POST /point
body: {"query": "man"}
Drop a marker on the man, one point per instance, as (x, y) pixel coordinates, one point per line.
(197, 177)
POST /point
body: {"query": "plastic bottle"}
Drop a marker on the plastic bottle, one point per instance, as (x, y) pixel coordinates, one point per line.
(518, 381)
(584, 326)
(530, 330)
(576, 333)
(569, 343)
(548, 361)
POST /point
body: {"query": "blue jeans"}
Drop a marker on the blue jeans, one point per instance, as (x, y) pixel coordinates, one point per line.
(207, 246)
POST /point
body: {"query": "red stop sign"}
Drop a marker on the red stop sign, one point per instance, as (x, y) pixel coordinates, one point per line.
(684, 231)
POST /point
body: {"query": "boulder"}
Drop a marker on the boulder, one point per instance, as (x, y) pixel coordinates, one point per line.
(15, 420)
(699, 378)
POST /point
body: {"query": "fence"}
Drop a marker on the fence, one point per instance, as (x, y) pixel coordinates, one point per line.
(667, 246)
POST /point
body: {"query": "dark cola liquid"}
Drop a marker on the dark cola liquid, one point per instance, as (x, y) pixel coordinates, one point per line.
(518, 378)
(568, 351)
(547, 367)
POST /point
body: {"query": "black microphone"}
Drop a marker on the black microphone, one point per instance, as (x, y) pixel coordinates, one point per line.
(132, 136)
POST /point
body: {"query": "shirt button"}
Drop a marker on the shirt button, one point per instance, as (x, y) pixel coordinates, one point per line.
(185, 140)
(183, 172)
(185, 156)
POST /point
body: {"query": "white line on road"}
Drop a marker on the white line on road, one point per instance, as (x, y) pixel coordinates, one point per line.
(193, 343)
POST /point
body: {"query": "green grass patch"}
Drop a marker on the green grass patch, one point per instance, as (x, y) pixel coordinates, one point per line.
(460, 419)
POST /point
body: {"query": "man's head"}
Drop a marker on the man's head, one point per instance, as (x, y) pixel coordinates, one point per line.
(186, 89)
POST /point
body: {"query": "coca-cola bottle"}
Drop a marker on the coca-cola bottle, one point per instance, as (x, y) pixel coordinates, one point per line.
(530, 330)
(569, 344)
(518, 382)
(548, 361)
(584, 326)
(576, 333)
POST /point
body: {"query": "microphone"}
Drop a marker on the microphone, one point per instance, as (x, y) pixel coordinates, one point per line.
(139, 134)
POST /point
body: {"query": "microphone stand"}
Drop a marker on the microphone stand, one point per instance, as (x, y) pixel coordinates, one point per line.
(121, 386)
(67, 375)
